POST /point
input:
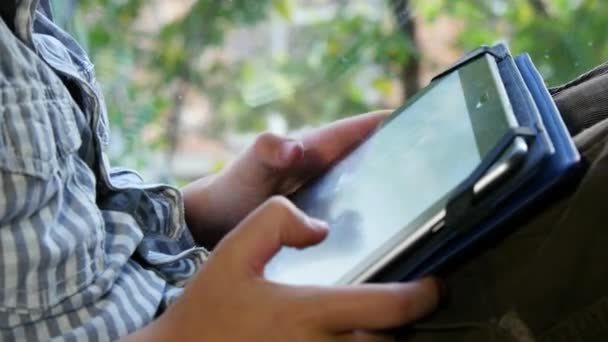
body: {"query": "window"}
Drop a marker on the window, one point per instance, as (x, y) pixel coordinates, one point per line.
(189, 83)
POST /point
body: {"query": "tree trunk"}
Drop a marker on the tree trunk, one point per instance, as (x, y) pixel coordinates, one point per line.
(540, 7)
(173, 122)
(410, 71)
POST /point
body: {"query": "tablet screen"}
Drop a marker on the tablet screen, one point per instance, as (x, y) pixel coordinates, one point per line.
(424, 151)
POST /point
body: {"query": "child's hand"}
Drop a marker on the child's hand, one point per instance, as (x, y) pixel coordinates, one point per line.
(229, 300)
(272, 166)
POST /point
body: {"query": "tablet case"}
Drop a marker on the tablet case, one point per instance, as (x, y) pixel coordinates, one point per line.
(552, 158)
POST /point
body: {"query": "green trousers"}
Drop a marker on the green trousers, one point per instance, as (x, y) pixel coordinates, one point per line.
(547, 279)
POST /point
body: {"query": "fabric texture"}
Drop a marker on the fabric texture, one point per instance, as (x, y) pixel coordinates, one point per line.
(87, 252)
(584, 101)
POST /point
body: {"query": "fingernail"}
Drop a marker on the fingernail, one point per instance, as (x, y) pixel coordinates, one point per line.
(319, 225)
(290, 150)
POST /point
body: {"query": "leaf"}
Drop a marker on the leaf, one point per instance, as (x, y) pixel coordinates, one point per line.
(283, 7)
(383, 85)
(429, 9)
(218, 166)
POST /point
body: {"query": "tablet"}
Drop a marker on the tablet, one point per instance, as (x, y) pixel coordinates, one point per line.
(391, 191)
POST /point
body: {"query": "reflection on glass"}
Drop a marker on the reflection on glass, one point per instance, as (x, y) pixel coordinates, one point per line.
(383, 185)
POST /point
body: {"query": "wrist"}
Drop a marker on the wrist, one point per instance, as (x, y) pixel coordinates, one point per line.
(201, 212)
(157, 331)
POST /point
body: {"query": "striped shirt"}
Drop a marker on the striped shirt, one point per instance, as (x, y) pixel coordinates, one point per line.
(87, 252)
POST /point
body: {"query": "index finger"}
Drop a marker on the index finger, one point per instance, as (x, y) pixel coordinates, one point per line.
(325, 145)
(375, 306)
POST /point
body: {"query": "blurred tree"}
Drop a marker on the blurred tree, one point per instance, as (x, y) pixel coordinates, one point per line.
(410, 74)
(166, 63)
(359, 57)
(564, 37)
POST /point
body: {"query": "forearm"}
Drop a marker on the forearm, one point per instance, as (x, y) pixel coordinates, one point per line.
(160, 330)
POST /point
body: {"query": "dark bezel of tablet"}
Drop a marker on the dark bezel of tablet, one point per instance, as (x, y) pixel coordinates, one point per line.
(488, 129)
(433, 218)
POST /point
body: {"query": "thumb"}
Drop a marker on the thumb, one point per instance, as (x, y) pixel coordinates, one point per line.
(274, 224)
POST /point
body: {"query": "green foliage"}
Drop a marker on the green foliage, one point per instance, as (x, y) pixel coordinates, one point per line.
(565, 39)
(337, 65)
(181, 42)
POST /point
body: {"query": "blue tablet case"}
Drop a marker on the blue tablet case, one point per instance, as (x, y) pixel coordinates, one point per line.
(552, 158)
